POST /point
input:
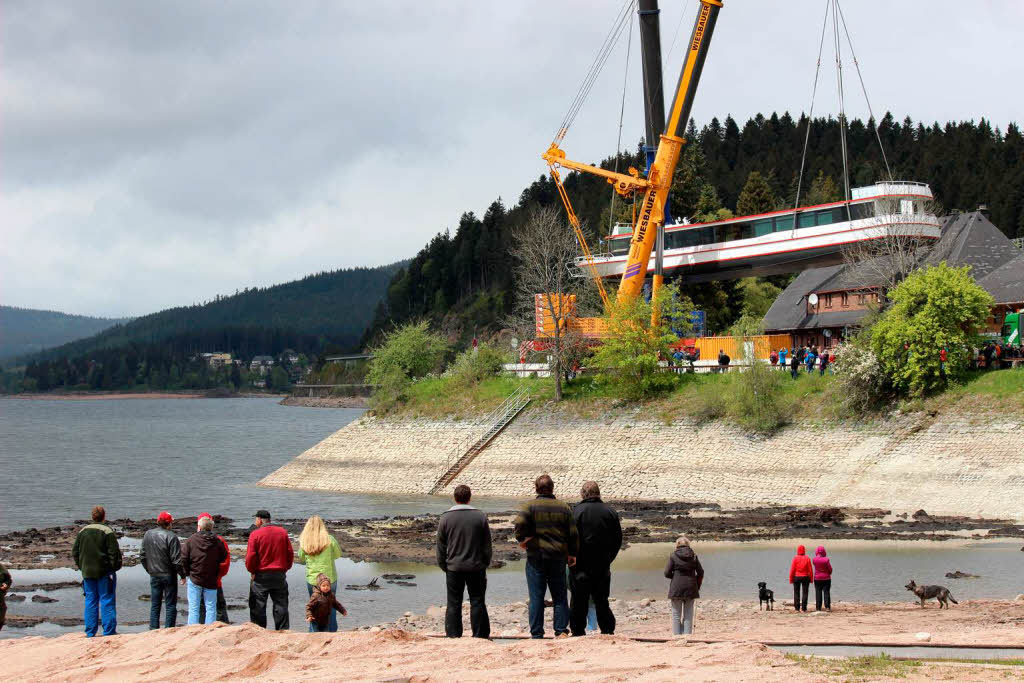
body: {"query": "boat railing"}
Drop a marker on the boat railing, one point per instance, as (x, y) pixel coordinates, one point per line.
(893, 187)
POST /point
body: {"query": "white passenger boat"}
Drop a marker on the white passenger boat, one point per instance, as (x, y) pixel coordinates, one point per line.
(782, 241)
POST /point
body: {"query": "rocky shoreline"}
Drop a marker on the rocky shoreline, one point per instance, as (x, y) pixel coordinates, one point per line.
(326, 401)
(411, 538)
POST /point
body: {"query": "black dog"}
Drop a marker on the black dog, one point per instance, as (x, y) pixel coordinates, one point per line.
(765, 595)
(940, 593)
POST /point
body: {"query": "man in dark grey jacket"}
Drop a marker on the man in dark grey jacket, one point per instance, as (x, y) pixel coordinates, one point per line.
(464, 553)
(161, 558)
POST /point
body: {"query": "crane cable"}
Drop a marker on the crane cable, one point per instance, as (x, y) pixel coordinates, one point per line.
(622, 114)
(837, 18)
(596, 67)
(842, 103)
(810, 113)
(864, 89)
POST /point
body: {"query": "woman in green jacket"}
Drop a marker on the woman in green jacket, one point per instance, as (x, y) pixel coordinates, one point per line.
(318, 550)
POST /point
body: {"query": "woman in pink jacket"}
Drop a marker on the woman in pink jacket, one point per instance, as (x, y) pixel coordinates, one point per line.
(822, 579)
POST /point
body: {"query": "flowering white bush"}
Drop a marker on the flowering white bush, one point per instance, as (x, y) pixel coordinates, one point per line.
(860, 375)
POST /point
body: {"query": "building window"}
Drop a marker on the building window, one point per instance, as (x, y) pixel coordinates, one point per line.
(861, 298)
(828, 301)
(844, 299)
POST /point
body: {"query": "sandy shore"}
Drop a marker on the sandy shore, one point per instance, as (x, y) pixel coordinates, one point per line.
(246, 652)
(972, 622)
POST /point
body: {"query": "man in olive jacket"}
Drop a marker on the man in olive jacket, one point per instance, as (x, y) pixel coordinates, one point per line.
(545, 529)
(464, 554)
(600, 539)
(98, 557)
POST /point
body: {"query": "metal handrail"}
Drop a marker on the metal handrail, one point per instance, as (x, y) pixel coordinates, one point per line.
(514, 401)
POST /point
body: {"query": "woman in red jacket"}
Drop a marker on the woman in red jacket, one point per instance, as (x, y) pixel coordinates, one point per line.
(800, 572)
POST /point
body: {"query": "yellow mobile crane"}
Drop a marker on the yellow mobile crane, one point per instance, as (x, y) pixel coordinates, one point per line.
(656, 185)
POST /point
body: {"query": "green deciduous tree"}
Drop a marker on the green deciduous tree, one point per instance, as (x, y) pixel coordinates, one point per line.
(413, 350)
(933, 309)
(627, 360)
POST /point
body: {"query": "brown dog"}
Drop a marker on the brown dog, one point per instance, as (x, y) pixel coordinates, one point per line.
(940, 593)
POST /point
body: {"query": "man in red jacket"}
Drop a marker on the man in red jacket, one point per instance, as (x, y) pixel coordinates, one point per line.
(268, 558)
(222, 604)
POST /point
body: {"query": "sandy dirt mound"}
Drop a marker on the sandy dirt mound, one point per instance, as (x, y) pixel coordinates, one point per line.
(245, 652)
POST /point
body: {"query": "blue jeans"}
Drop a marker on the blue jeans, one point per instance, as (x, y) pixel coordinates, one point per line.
(163, 589)
(682, 616)
(332, 623)
(208, 596)
(100, 597)
(543, 574)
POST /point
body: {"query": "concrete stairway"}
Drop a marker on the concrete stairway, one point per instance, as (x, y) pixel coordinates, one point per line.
(496, 420)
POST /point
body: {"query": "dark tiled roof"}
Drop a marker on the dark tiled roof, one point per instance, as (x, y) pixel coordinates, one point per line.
(789, 309)
(968, 239)
(1006, 283)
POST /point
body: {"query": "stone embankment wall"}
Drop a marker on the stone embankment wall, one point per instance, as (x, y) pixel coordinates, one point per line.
(953, 463)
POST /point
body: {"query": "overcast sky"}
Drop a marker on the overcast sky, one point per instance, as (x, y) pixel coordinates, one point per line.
(155, 154)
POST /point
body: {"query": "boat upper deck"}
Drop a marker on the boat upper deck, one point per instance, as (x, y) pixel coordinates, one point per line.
(904, 197)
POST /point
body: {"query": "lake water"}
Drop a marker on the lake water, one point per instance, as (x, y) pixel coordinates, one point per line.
(59, 458)
(139, 456)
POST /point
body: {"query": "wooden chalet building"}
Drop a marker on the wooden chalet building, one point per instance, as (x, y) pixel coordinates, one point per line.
(822, 305)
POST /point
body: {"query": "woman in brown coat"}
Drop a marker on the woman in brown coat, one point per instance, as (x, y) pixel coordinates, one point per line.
(687, 575)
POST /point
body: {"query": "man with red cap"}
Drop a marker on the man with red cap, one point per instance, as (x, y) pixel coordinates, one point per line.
(268, 558)
(161, 558)
(222, 605)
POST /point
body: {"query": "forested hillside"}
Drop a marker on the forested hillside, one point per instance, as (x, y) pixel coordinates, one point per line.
(324, 311)
(465, 278)
(331, 307)
(25, 330)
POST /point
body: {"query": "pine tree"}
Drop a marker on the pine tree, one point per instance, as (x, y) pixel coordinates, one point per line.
(823, 190)
(757, 195)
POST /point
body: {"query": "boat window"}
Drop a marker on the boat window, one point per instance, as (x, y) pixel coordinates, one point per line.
(762, 227)
(807, 219)
(783, 223)
(619, 246)
(862, 210)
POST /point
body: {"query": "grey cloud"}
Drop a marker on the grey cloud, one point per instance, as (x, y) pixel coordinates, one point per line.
(158, 153)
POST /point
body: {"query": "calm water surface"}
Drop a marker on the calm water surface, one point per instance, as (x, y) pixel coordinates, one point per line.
(140, 456)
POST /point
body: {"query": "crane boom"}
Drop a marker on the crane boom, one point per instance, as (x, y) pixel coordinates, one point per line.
(659, 177)
(652, 208)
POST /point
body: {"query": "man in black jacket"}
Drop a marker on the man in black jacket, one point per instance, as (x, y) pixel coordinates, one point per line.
(463, 554)
(600, 534)
(161, 558)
